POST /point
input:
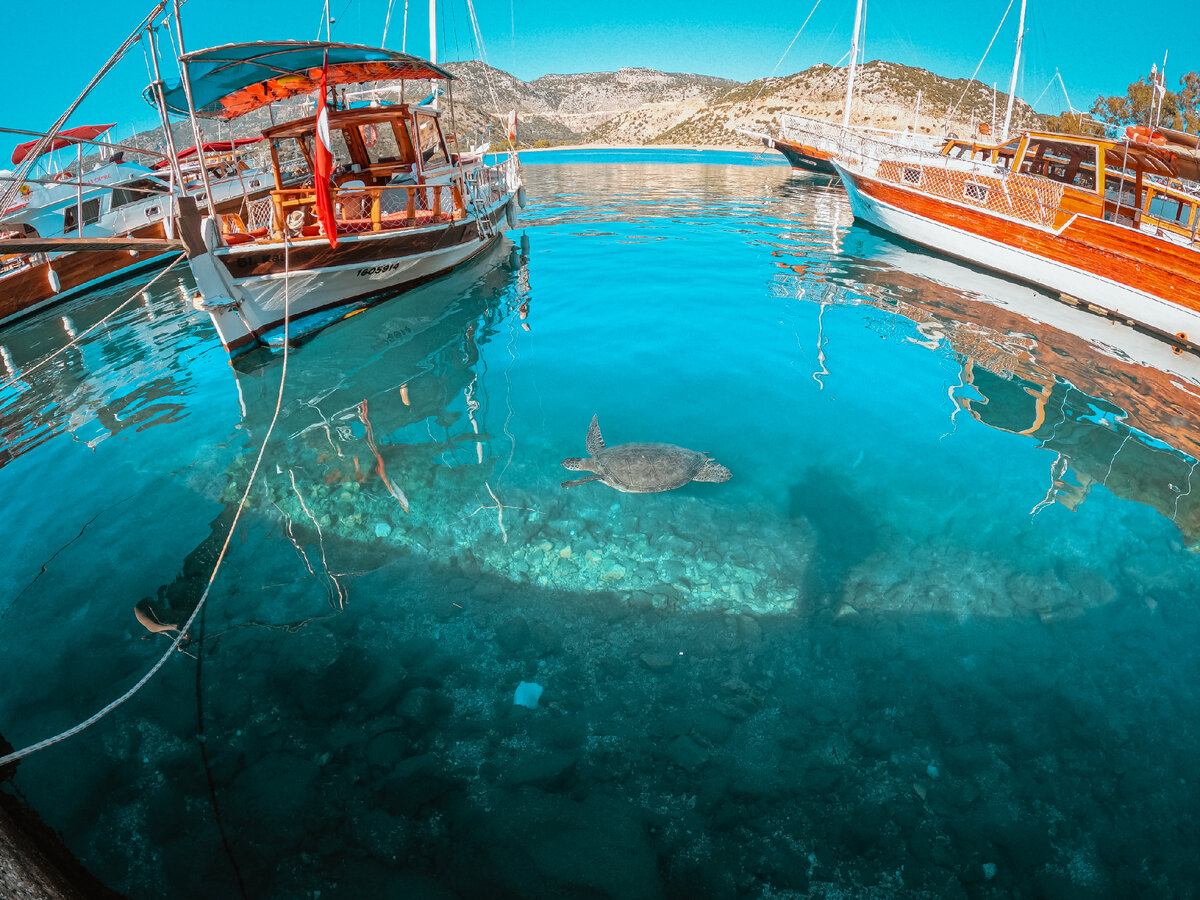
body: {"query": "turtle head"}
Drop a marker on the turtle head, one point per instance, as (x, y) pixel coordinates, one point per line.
(579, 464)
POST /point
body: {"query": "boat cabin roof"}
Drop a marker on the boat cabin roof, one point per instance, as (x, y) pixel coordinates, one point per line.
(346, 119)
(235, 79)
(1166, 158)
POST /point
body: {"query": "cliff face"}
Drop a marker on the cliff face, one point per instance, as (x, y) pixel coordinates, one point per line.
(645, 106)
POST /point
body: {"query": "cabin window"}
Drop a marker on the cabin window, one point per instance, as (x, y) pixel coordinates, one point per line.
(911, 175)
(429, 138)
(1170, 209)
(337, 142)
(381, 144)
(1069, 163)
(91, 214)
(976, 192)
(136, 191)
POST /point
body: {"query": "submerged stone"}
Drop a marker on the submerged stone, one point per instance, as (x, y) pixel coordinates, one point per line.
(527, 694)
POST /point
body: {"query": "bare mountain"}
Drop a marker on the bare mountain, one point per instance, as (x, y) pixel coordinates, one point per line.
(645, 106)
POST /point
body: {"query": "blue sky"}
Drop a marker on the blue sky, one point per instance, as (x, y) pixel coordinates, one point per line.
(1100, 52)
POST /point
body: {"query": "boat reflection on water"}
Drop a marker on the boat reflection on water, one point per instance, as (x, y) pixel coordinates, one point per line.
(1114, 404)
(383, 432)
(57, 378)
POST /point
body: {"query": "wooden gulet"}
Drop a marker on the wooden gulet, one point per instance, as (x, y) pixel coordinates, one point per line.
(404, 205)
(1094, 220)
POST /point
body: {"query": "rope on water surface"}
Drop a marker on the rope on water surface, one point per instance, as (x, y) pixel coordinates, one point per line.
(75, 340)
(186, 627)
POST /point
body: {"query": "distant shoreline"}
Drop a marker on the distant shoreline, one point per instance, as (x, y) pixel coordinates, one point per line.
(722, 148)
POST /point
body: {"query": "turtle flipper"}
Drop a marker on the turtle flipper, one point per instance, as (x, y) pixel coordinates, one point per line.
(579, 481)
(712, 471)
(595, 442)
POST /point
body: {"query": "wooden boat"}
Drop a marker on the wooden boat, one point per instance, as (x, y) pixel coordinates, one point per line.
(1094, 219)
(72, 231)
(403, 205)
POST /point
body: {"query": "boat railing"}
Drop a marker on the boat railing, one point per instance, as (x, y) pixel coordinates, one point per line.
(362, 209)
(984, 185)
(488, 184)
(358, 209)
(830, 137)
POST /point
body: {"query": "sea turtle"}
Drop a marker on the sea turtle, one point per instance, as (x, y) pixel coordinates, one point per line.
(642, 468)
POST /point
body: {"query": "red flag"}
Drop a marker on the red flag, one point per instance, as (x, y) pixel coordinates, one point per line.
(323, 162)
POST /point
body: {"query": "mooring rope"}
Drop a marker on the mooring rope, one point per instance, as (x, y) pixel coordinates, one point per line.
(75, 340)
(186, 627)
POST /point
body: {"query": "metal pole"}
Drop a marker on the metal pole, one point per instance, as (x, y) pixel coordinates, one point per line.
(433, 31)
(79, 189)
(187, 92)
(853, 64)
(1012, 86)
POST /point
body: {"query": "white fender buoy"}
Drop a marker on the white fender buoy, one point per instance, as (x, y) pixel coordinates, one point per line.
(521, 196)
(211, 233)
(52, 277)
(510, 213)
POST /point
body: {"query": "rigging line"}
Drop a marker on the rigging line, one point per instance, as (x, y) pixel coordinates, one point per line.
(795, 37)
(1063, 84)
(386, 23)
(1180, 495)
(1046, 88)
(67, 346)
(967, 87)
(487, 66)
(202, 740)
(200, 604)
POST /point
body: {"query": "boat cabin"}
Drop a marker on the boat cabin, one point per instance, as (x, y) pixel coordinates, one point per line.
(1129, 182)
(392, 167)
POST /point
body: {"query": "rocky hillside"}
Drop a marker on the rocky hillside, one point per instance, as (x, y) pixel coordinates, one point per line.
(561, 108)
(644, 106)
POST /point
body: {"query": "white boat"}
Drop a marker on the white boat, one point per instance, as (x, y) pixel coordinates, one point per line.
(102, 218)
(404, 205)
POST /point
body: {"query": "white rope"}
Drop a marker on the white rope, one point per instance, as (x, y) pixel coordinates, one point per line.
(487, 72)
(955, 107)
(67, 346)
(795, 37)
(186, 627)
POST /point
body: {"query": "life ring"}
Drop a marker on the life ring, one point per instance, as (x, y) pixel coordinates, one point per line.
(985, 128)
(370, 134)
(1144, 135)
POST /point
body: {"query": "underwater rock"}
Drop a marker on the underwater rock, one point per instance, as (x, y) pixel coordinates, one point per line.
(527, 694)
(684, 752)
(382, 529)
(659, 660)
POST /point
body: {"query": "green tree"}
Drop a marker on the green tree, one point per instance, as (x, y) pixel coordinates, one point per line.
(1178, 110)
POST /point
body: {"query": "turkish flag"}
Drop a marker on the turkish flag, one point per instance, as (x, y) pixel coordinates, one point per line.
(323, 162)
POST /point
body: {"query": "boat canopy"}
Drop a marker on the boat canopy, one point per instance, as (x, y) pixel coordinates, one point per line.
(208, 148)
(235, 79)
(80, 135)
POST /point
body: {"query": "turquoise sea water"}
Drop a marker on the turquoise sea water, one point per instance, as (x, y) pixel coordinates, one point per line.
(935, 638)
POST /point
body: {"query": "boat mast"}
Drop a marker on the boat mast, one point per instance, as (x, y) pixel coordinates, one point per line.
(433, 31)
(853, 64)
(1012, 85)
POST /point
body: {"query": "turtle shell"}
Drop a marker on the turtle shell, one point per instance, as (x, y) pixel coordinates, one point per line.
(647, 468)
